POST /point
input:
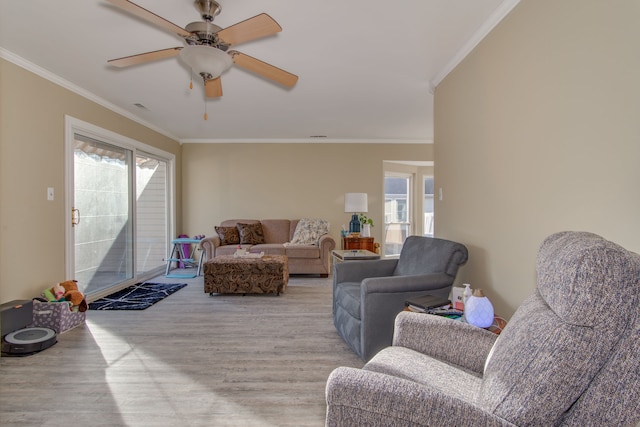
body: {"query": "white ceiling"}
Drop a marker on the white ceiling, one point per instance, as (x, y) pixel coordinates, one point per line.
(366, 67)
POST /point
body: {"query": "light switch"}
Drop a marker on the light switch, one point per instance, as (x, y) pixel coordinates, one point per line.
(440, 194)
(50, 193)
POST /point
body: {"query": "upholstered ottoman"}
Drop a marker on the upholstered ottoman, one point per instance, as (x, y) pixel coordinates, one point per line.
(230, 275)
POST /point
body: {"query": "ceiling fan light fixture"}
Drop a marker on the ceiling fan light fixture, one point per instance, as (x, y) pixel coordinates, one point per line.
(208, 61)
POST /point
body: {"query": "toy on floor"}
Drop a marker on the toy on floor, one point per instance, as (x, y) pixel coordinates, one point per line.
(55, 294)
(58, 292)
(74, 296)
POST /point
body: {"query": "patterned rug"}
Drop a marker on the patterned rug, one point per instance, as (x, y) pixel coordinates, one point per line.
(137, 297)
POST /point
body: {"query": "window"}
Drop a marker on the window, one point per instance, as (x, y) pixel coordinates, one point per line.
(427, 207)
(397, 212)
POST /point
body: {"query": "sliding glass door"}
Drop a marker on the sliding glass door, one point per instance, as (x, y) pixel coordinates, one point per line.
(119, 199)
(152, 205)
(102, 214)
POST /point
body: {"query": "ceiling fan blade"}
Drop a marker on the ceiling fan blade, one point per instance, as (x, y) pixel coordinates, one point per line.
(253, 28)
(149, 16)
(145, 57)
(213, 88)
(263, 69)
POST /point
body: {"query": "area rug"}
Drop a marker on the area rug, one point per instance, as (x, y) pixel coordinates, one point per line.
(137, 297)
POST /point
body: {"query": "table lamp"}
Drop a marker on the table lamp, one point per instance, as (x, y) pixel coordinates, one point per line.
(355, 203)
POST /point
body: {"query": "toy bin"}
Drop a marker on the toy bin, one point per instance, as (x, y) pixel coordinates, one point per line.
(56, 316)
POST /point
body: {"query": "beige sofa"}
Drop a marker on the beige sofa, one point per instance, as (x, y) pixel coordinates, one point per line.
(308, 258)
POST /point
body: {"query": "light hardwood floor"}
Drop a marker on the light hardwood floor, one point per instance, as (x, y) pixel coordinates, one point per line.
(190, 360)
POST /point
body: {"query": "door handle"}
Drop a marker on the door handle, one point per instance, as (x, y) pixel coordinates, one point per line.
(75, 216)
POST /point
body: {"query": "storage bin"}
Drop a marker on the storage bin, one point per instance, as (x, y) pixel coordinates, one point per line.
(56, 316)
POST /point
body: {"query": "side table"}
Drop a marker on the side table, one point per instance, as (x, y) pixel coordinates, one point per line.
(365, 243)
(353, 255)
(497, 326)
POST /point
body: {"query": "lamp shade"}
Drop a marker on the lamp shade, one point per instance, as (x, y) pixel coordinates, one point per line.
(356, 202)
(208, 61)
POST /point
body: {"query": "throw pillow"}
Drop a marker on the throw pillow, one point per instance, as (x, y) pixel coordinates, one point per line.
(228, 235)
(250, 234)
(309, 230)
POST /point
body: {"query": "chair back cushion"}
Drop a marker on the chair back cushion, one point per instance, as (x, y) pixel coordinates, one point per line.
(428, 255)
(560, 339)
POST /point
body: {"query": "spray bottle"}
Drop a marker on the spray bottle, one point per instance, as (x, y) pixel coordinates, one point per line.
(466, 294)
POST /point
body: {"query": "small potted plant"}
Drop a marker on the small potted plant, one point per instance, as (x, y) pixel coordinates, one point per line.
(366, 223)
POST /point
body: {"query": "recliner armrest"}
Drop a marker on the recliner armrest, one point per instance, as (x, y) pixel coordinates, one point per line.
(398, 284)
(444, 339)
(356, 271)
(361, 397)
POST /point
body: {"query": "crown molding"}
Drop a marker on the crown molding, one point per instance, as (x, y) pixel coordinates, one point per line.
(493, 20)
(305, 141)
(48, 75)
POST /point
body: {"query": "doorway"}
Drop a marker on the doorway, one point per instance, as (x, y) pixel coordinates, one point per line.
(408, 207)
(118, 199)
(397, 212)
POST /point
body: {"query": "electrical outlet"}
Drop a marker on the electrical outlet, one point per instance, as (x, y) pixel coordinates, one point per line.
(50, 193)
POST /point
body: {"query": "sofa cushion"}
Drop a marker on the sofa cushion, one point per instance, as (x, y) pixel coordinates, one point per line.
(276, 230)
(309, 230)
(448, 379)
(311, 252)
(250, 234)
(228, 235)
(269, 248)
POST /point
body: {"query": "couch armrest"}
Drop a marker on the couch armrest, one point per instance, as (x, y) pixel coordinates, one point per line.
(326, 243)
(209, 245)
(361, 397)
(444, 339)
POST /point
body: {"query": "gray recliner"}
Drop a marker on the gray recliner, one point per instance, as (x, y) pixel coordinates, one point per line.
(568, 357)
(367, 295)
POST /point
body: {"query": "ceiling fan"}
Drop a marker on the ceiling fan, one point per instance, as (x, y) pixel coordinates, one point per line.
(207, 45)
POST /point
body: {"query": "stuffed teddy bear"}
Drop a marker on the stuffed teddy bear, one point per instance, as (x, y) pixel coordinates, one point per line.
(73, 295)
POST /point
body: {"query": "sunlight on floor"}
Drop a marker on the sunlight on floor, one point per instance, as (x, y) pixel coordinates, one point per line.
(143, 386)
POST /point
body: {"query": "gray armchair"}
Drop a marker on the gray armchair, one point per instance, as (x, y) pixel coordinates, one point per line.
(568, 357)
(367, 295)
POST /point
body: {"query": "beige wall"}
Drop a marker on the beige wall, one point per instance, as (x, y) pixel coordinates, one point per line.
(258, 181)
(538, 131)
(32, 240)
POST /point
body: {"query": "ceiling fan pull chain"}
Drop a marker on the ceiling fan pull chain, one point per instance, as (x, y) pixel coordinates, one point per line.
(191, 80)
(206, 117)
